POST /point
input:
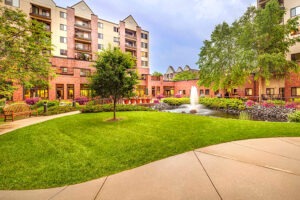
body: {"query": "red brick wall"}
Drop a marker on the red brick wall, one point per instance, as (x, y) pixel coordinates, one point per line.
(122, 35)
(293, 80)
(71, 32)
(94, 34)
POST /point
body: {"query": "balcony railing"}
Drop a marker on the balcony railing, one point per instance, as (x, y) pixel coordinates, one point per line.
(132, 46)
(130, 36)
(155, 78)
(83, 48)
(83, 56)
(83, 25)
(65, 71)
(82, 37)
(40, 12)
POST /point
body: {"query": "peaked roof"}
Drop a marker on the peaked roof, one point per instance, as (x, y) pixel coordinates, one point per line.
(130, 18)
(83, 2)
(187, 68)
(170, 70)
(179, 69)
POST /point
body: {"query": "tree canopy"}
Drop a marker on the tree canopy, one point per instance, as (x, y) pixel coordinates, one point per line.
(156, 73)
(25, 48)
(115, 76)
(255, 44)
(185, 75)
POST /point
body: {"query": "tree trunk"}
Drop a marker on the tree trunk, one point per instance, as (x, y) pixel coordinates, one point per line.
(260, 88)
(115, 102)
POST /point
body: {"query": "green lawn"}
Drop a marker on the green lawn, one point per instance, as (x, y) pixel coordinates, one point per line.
(82, 147)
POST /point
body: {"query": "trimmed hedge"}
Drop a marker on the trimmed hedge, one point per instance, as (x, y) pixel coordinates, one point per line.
(176, 101)
(217, 103)
(109, 108)
(57, 110)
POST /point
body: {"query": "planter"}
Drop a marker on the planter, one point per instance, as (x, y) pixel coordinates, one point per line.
(148, 100)
(138, 101)
(126, 101)
(132, 101)
(143, 100)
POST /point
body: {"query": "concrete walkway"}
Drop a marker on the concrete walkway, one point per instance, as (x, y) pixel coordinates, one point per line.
(11, 126)
(249, 169)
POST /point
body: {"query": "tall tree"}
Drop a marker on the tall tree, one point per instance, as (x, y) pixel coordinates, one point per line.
(185, 75)
(257, 44)
(115, 76)
(25, 48)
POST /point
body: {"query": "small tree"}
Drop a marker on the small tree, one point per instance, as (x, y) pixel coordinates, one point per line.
(115, 76)
(186, 75)
(25, 48)
(156, 73)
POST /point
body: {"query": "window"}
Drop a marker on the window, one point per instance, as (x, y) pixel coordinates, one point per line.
(85, 72)
(144, 45)
(295, 57)
(63, 27)
(63, 52)
(235, 91)
(116, 29)
(63, 39)
(100, 46)
(100, 25)
(63, 15)
(116, 39)
(70, 91)
(144, 54)
(85, 91)
(295, 11)
(248, 92)
(207, 92)
(15, 3)
(295, 91)
(144, 36)
(270, 91)
(36, 92)
(281, 92)
(64, 70)
(201, 92)
(59, 91)
(100, 35)
(144, 63)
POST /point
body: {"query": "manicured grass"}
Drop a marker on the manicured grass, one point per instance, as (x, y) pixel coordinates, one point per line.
(82, 147)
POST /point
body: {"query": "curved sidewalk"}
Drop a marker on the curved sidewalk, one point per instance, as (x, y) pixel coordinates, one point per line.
(249, 169)
(11, 126)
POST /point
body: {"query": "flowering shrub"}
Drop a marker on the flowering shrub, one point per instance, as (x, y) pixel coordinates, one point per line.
(32, 101)
(249, 103)
(291, 105)
(156, 101)
(81, 100)
(159, 97)
(267, 104)
(178, 95)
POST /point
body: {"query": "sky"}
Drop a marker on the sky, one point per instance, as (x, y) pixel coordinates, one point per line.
(177, 28)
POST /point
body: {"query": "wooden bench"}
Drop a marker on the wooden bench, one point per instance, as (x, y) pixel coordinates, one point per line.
(18, 109)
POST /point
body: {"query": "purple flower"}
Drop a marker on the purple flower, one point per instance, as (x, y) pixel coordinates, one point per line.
(81, 100)
(32, 101)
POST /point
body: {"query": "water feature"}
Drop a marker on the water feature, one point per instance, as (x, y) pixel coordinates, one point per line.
(195, 108)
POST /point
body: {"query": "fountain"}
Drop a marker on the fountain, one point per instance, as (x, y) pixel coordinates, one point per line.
(194, 100)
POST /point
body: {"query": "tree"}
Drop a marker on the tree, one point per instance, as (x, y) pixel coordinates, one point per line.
(115, 76)
(185, 75)
(256, 44)
(156, 73)
(24, 52)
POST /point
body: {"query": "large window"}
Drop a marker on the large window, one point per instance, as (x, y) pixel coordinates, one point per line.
(144, 45)
(248, 92)
(144, 36)
(207, 92)
(36, 92)
(144, 63)
(295, 11)
(15, 3)
(85, 91)
(70, 91)
(295, 91)
(59, 91)
(270, 91)
(281, 92)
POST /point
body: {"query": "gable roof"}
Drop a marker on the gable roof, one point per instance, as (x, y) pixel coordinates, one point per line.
(170, 70)
(84, 4)
(187, 68)
(130, 19)
(179, 69)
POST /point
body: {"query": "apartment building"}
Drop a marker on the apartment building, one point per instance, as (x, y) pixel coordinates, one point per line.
(77, 34)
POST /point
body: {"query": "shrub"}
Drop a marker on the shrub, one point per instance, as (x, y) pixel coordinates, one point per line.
(57, 110)
(222, 103)
(156, 101)
(32, 101)
(82, 100)
(291, 105)
(267, 104)
(176, 101)
(279, 102)
(297, 100)
(109, 108)
(249, 103)
(49, 103)
(178, 95)
(2, 102)
(294, 117)
(244, 116)
(159, 97)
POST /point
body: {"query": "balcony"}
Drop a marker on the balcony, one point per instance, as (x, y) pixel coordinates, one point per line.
(40, 13)
(85, 72)
(130, 36)
(65, 71)
(83, 37)
(83, 24)
(83, 47)
(83, 56)
(130, 46)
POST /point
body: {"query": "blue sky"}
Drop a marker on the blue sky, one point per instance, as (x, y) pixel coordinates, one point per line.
(177, 27)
